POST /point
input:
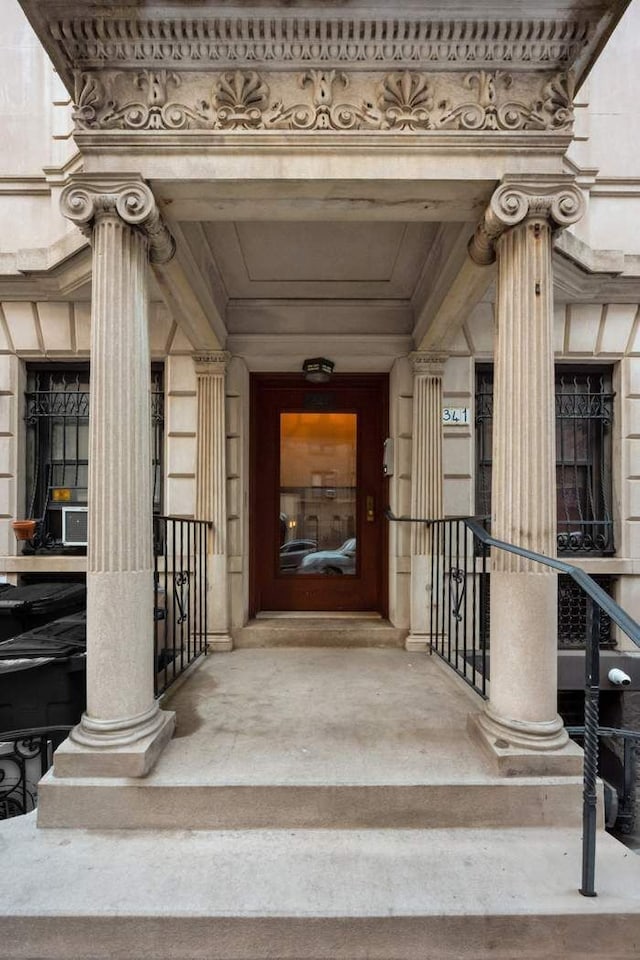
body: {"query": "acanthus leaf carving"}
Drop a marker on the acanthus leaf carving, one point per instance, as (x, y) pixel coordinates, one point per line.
(401, 102)
(158, 113)
(487, 112)
(323, 113)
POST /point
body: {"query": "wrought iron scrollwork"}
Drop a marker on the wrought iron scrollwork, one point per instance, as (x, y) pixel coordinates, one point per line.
(25, 756)
(457, 589)
(181, 585)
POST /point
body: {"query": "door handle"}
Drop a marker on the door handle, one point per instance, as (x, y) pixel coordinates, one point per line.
(371, 514)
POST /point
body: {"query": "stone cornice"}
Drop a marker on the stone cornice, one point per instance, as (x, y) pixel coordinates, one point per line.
(336, 39)
(556, 200)
(86, 199)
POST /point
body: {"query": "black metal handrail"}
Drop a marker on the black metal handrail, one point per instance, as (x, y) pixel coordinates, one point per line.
(180, 595)
(624, 816)
(458, 655)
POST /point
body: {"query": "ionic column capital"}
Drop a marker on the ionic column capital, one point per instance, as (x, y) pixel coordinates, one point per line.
(211, 364)
(428, 364)
(558, 201)
(86, 200)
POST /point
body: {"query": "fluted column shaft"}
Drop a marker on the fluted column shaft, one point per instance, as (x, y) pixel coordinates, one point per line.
(119, 561)
(211, 489)
(122, 714)
(426, 485)
(518, 229)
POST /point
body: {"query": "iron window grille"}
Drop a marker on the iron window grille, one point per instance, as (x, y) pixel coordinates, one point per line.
(57, 404)
(584, 413)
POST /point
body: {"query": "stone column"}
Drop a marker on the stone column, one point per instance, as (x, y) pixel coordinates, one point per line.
(517, 230)
(426, 486)
(123, 730)
(211, 490)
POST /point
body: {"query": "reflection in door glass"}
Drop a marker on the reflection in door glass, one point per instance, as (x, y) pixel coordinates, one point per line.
(318, 493)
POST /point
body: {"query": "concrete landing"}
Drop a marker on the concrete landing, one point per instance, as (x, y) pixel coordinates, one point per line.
(309, 738)
(318, 631)
(328, 895)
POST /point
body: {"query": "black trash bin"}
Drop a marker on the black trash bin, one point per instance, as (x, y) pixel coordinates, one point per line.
(23, 608)
(43, 675)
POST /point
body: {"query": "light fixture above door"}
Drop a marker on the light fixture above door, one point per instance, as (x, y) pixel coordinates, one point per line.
(317, 369)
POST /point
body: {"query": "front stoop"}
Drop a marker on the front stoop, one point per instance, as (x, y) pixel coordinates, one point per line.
(314, 803)
(316, 738)
(327, 895)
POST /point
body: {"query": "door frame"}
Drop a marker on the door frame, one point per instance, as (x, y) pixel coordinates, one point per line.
(378, 381)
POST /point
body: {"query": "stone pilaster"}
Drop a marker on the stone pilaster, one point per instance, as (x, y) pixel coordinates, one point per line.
(123, 729)
(518, 230)
(211, 490)
(426, 486)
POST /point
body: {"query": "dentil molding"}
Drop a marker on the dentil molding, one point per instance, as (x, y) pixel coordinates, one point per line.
(317, 40)
(84, 200)
(322, 99)
(559, 201)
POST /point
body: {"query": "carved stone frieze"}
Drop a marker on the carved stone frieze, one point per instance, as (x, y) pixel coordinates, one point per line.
(320, 41)
(322, 100)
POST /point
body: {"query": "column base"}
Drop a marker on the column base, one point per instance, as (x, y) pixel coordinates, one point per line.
(88, 754)
(219, 643)
(417, 642)
(520, 749)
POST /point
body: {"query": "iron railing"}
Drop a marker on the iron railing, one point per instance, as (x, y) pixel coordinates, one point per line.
(25, 757)
(623, 781)
(180, 596)
(458, 619)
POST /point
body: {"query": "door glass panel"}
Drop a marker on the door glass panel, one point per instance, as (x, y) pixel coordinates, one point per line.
(318, 455)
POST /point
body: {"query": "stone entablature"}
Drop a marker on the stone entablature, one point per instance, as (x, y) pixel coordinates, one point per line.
(323, 99)
(323, 41)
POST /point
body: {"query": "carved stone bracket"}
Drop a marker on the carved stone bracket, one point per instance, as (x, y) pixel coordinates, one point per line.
(86, 199)
(405, 100)
(428, 364)
(557, 201)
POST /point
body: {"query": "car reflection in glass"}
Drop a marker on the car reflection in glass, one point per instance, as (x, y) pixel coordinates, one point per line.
(331, 562)
(292, 552)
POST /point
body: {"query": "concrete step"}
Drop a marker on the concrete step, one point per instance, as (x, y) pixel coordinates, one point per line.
(311, 738)
(318, 631)
(154, 803)
(326, 895)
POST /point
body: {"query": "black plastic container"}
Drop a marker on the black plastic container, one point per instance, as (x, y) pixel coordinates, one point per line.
(43, 675)
(24, 608)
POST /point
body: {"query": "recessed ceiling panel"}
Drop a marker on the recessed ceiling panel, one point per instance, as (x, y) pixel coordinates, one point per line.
(318, 259)
(326, 252)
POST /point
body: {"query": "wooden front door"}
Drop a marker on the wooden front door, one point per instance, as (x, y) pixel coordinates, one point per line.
(318, 534)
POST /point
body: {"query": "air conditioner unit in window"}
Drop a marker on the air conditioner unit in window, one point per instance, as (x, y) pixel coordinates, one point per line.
(74, 526)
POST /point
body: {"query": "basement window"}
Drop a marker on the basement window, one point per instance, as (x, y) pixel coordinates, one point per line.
(57, 401)
(584, 412)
